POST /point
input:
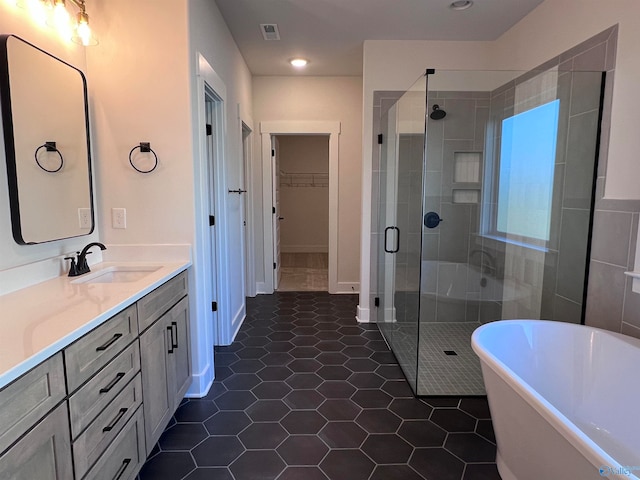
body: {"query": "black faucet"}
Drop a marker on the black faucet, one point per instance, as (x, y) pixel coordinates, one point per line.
(80, 266)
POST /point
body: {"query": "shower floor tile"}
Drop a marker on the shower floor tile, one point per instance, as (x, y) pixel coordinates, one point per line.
(290, 404)
(438, 373)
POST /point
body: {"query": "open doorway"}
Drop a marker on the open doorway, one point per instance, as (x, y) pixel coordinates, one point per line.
(303, 205)
(269, 131)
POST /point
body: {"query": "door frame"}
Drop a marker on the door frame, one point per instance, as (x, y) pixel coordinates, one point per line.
(269, 129)
(203, 327)
(249, 231)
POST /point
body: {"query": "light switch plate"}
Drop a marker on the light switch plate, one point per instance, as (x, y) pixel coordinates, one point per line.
(119, 217)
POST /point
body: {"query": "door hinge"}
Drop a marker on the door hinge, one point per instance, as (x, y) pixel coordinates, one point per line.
(214, 306)
(273, 209)
(212, 220)
(379, 139)
(209, 129)
(274, 265)
(376, 301)
(273, 152)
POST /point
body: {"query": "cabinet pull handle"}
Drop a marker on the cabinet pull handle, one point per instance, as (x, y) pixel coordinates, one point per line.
(122, 469)
(174, 324)
(110, 427)
(110, 342)
(112, 383)
(171, 346)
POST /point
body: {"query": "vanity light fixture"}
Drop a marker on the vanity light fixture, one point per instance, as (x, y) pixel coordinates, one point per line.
(55, 14)
(461, 5)
(299, 62)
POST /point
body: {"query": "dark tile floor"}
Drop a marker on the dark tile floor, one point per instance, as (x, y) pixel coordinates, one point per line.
(306, 393)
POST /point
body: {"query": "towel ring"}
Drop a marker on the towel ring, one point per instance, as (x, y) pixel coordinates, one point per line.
(145, 147)
(50, 147)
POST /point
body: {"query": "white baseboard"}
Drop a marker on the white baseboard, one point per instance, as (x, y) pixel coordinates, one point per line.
(304, 248)
(201, 383)
(362, 315)
(261, 289)
(237, 322)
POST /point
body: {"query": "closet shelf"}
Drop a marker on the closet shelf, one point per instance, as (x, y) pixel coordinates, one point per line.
(314, 179)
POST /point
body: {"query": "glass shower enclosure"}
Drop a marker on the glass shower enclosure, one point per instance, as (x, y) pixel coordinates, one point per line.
(484, 186)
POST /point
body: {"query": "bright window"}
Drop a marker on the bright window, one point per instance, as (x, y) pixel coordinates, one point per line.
(527, 163)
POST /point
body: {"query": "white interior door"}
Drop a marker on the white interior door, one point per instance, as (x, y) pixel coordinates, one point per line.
(275, 169)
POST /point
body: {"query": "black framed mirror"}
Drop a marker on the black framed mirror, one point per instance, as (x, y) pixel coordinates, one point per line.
(46, 137)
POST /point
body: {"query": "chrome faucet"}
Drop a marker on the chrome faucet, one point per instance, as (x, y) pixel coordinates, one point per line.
(488, 267)
(80, 266)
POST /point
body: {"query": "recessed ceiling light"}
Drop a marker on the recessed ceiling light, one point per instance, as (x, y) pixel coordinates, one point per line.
(461, 5)
(299, 62)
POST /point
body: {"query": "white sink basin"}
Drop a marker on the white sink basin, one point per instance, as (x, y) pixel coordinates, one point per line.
(118, 274)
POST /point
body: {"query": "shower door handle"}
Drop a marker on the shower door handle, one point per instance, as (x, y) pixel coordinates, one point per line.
(386, 237)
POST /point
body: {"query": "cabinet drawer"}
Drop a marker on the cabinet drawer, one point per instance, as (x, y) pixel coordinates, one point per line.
(43, 453)
(97, 437)
(24, 402)
(97, 393)
(93, 351)
(155, 304)
(125, 456)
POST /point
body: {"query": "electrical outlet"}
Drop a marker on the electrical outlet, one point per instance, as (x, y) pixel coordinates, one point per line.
(84, 217)
(119, 217)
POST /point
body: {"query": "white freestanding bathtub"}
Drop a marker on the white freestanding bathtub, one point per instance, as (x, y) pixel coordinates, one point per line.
(564, 399)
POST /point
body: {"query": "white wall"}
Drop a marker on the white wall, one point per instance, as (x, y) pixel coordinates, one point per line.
(304, 202)
(17, 21)
(314, 99)
(139, 84)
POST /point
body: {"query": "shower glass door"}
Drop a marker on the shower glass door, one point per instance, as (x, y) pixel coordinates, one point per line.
(486, 187)
(399, 219)
(509, 168)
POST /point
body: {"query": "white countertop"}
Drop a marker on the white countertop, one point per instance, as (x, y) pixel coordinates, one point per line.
(42, 319)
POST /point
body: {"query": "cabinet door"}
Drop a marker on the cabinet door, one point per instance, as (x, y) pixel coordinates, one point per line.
(155, 345)
(42, 454)
(178, 318)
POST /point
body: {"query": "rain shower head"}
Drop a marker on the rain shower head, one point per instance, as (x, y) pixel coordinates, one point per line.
(438, 113)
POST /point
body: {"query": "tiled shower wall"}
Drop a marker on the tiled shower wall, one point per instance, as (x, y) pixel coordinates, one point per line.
(461, 131)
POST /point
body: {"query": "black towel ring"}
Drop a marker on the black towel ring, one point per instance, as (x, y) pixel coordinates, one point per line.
(50, 147)
(145, 147)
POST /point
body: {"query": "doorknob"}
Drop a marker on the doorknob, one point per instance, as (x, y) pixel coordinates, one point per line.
(280, 218)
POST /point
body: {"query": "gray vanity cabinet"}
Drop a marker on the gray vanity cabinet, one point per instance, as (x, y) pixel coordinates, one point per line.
(42, 454)
(165, 362)
(86, 412)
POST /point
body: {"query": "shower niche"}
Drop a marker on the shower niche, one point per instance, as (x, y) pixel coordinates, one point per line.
(508, 164)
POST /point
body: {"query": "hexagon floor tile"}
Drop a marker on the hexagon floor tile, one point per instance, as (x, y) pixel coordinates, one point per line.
(307, 393)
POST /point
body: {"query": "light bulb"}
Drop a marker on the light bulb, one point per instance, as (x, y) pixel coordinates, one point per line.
(38, 11)
(83, 34)
(61, 20)
(60, 15)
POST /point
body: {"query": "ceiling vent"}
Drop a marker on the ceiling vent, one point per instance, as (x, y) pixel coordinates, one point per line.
(270, 31)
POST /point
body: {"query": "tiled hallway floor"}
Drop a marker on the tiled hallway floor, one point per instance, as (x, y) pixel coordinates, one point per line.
(305, 393)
